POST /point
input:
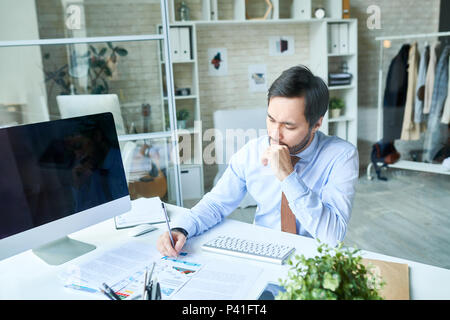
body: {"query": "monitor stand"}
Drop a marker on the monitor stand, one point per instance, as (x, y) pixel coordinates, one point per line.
(62, 250)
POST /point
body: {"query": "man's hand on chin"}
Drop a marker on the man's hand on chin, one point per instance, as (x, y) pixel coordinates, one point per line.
(279, 159)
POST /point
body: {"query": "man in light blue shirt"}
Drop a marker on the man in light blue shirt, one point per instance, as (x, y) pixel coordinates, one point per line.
(319, 188)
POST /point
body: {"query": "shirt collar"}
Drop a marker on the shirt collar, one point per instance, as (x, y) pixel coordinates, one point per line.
(308, 153)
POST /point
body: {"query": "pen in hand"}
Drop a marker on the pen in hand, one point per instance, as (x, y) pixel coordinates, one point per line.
(168, 226)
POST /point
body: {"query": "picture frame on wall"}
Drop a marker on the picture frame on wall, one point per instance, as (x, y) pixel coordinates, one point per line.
(217, 62)
(281, 46)
(257, 77)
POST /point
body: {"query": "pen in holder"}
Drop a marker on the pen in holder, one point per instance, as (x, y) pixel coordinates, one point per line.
(152, 289)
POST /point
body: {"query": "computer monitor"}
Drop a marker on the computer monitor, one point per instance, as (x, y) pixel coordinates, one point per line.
(83, 104)
(58, 177)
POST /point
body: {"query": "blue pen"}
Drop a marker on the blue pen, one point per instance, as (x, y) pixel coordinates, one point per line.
(168, 226)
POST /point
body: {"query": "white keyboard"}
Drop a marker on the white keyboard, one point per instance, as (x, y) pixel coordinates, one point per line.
(268, 252)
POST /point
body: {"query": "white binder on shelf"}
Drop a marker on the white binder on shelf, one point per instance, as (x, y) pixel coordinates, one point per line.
(184, 43)
(333, 8)
(209, 10)
(239, 10)
(333, 38)
(343, 38)
(214, 13)
(174, 44)
(301, 9)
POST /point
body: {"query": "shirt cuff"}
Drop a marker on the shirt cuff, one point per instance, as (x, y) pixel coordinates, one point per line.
(186, 223)
(180, 230)
(293, 187)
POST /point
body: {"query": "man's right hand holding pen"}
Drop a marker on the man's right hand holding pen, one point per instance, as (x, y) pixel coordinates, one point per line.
(164, 244)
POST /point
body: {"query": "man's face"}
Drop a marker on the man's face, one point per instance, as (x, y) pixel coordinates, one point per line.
(287, 125)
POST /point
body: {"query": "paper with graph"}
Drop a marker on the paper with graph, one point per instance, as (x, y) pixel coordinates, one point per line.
(123, 267)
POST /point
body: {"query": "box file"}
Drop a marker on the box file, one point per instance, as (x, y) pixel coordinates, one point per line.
(301, 9)
(180, 44)
(174, 44)
(333, 38)
(184, 43)
(343, 38)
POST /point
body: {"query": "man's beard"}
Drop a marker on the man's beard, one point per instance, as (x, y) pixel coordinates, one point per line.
(298, 147)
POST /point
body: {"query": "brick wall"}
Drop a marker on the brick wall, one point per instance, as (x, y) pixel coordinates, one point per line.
(138, 78)
(250, 47)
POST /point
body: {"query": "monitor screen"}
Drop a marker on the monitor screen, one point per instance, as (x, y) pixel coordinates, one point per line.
(52, 170)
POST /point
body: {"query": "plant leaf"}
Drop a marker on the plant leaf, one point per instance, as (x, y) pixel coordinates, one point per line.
(108, 72)
(93, 49)
(121, 52)
(102, 51)
(331, 281)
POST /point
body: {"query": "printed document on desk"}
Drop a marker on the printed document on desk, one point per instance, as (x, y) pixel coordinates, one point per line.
(218, 280)
(143, 210)
(172, 275)
(123, 266)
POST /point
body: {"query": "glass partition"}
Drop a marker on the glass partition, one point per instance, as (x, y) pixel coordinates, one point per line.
(149, 168)
(96, 18)
(91, 57)
(76, 79)
(124, 78)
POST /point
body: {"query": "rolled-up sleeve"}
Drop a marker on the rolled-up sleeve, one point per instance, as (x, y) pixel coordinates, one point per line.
(326, 215)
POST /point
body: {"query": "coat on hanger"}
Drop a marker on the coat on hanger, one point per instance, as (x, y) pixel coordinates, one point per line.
(410, 129)
(395, 95)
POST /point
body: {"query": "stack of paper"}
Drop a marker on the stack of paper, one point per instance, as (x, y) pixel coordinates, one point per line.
(143, 210)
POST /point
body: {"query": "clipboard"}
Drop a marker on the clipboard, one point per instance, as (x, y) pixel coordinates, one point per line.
(396, 278)
(143, 211)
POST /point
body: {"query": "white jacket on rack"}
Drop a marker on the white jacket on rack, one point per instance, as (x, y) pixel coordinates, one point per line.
(410, 129)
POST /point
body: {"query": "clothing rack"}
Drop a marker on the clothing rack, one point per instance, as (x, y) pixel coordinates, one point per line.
(402, 164)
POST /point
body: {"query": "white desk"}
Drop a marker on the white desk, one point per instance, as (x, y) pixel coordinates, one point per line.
(25, 276)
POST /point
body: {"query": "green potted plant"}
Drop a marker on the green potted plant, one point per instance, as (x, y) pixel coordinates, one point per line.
(102, 65)
(182, 116)
(333, 274)
(336, 107)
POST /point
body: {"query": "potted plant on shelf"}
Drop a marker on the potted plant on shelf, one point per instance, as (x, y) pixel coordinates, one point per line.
(182, 116)
(336, 107)
(338, 275)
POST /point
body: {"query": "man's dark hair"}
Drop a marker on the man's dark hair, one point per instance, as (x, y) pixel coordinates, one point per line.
(299, 81)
